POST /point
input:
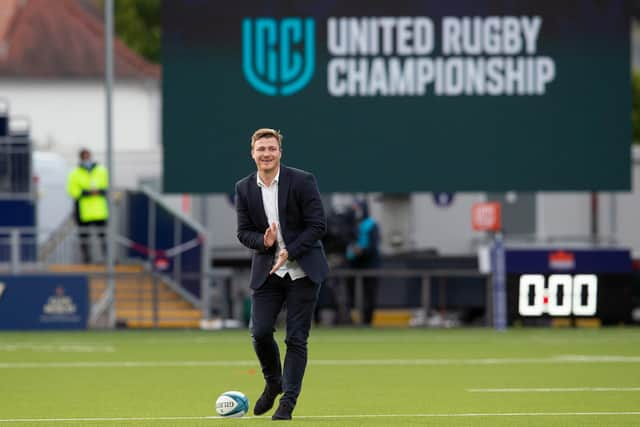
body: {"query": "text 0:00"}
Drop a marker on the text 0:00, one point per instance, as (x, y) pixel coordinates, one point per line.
(565, 295)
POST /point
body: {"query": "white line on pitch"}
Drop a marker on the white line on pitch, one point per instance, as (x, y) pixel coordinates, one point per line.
(462, 415)
(550, 389)
(61, 348)
(328, 362)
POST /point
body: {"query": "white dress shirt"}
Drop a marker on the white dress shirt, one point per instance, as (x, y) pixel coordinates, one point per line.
(270, 203)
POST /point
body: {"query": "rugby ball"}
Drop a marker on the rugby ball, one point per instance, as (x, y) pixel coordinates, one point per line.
(232, 404)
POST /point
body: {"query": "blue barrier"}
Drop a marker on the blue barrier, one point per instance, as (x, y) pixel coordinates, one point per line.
(44, 302)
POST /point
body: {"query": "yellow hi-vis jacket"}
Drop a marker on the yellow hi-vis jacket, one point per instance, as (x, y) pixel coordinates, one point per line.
(81, 182)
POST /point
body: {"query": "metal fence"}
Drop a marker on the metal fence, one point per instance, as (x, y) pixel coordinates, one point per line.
(221, 298)
(29, 249)
(427, 277)
(15, 167)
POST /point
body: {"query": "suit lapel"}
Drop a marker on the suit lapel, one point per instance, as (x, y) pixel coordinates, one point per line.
(283, 193)
(256, 196)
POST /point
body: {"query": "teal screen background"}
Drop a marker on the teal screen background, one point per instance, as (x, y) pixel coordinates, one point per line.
(577, 136)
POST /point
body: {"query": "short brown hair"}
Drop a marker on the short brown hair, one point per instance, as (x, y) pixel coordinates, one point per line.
(266, 132)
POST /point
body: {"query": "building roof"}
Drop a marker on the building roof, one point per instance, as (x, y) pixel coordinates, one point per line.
(58, 40)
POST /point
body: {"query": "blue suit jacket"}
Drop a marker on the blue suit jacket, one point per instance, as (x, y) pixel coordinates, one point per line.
(302, 222)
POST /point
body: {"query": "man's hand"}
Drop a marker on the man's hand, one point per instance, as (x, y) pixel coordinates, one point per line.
(283, 255)
(270, 235)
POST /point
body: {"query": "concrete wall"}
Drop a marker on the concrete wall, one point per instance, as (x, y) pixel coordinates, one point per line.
(444, 228)
(626, 209)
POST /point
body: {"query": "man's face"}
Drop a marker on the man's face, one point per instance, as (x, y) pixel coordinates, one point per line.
(266, 153)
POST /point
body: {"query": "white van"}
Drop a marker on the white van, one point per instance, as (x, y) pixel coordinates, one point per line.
(50, 171)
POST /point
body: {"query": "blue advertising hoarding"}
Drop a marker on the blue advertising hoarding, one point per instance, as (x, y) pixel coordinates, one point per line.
(568, 260)
(44, 302)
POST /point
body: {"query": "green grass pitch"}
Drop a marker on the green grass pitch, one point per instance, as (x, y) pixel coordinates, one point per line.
(355, 377)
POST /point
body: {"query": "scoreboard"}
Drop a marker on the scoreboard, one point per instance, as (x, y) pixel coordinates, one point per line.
(548, 284)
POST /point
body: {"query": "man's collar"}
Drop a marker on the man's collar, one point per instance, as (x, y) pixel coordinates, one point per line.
(262, 184)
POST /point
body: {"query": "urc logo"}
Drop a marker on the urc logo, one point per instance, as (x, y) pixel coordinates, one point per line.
(278, 57)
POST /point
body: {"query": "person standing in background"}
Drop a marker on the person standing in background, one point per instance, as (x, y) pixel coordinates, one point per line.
(87, 185)
(364, 253)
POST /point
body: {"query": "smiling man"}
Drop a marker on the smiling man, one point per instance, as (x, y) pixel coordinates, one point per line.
(281, 218)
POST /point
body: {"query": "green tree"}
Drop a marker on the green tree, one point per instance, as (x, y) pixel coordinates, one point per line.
(635, 111)
(138, 24)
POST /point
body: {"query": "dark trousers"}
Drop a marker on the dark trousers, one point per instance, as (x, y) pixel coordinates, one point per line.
(369, 297)
(370, 292)
(85, 238)
(299, 297)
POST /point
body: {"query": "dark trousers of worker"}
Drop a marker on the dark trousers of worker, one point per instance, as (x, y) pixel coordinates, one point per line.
(370, 292)
(85, 238)
(299, 297)
(369, 297)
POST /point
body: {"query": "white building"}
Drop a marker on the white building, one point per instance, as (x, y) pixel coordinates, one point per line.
(52, 73)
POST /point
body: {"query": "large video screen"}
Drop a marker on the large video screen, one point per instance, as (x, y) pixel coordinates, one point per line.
(462, 95)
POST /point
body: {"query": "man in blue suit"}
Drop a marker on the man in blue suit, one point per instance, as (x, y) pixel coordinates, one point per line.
(281, 217)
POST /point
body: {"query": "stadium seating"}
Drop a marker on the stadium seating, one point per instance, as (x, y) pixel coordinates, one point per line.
(134, 297)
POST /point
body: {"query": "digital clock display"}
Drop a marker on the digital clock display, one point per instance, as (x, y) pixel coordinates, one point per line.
(558, 295)
(547, 284)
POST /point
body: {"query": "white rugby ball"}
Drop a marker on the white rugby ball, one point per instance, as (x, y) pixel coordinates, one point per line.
(232, 404)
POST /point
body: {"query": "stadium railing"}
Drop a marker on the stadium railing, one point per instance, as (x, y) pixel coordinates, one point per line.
(227, 298)
(425, 276)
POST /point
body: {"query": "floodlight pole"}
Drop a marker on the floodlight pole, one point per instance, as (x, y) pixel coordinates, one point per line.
(108, 81)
